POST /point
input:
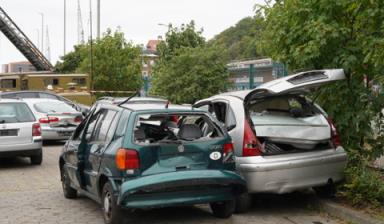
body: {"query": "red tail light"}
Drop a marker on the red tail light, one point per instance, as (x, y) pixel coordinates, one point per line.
(47, 120)
(78, 119)
(127, 159)
(334, 134)
(228, 152)
(251, 146)
(36, 130)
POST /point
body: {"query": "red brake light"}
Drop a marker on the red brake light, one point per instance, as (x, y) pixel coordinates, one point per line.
(251, 146)
(127, 159)
(78, 119)
(335, 137)
(47, 120)
(36, 130)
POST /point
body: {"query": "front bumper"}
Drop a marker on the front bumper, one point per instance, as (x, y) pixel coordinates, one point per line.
(49, 133)
(291, 172)
(180, 188)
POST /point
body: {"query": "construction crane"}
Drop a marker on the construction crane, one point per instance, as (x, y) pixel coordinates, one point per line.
(23, 43)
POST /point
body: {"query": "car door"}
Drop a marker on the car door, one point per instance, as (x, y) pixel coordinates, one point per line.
(70, 153)
(97, 141)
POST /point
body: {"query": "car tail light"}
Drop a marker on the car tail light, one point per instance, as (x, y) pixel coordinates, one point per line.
(78, 119)
(36, 130)
(127, 159)
(47, 120)
(251, 146)
(228, 152)
(335, 137)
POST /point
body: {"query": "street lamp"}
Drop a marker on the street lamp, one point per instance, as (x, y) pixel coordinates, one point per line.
(42, 31)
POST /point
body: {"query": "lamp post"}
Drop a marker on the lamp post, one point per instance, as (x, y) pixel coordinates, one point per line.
(42, 32)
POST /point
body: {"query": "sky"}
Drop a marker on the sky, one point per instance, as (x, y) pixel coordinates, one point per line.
(138, 19)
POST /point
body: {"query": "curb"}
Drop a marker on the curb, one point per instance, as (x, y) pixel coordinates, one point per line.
(348, 214)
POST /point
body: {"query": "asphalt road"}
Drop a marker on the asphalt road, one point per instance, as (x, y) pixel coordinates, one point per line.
(32, 194)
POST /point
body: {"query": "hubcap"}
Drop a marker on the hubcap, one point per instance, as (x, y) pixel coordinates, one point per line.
(107, 204)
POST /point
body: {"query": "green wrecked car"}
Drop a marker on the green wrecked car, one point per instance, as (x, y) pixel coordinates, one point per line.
(143, 156)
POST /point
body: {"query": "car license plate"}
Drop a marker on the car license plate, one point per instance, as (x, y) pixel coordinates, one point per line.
(8, 132)
(64, 133)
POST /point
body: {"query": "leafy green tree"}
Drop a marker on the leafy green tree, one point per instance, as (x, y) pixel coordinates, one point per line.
(346, 34)
(195, 73)
(116, 62)
(188, 69)
(242, 39)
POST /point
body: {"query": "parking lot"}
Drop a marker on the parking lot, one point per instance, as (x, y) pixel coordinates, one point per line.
(32, 194)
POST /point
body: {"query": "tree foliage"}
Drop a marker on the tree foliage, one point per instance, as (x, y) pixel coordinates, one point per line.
(344, 34)
(242, 39)
(188, 69)
(117, 63)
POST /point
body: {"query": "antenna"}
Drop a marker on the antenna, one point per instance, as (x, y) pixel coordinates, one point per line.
(80, 28)
(48, 50)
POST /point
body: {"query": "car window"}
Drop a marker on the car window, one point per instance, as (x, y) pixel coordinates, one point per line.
(231, 119)
(220, 111)
(48, 96)
(15, 113)
(27, 95)
(100, 134)
(53, 107)
(8, 96)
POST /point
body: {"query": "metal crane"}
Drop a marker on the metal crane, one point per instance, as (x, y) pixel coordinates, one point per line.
(23, 43)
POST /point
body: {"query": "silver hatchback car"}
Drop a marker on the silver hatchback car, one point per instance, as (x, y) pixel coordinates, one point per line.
(283, 141)
(57, 119)
(20, 133)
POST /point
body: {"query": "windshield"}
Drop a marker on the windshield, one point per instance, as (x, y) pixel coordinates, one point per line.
(15, 113)
(164, 128)
(54, 107)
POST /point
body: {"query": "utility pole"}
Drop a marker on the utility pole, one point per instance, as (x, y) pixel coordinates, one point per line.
(42, 31)
(48, 52)
(98, 19)
(91, 43)
(65, 26)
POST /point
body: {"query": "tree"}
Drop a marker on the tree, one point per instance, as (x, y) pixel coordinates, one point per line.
(242, 39)
(117, 63)
(195, 73)
(188, 69)
(344, 34)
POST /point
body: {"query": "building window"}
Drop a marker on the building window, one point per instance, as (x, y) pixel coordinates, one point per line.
(51, 81)
(79, 81)
(8, 83)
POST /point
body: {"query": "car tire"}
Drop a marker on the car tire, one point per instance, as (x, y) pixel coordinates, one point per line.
(112, 214)
(68, 191)
(37, 159)
(223, 209)
(243, 203)
(326, 191)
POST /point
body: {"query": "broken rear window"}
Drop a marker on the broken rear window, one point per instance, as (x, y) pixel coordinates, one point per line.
(157, 128)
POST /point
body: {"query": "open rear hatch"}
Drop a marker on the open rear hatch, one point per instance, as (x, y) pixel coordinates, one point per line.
(183, 159)
(282, 117)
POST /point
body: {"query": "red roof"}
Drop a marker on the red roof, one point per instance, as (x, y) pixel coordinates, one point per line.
(152, 45)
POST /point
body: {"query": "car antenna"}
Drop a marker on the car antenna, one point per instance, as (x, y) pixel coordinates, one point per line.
(167, 105)
(137, 93)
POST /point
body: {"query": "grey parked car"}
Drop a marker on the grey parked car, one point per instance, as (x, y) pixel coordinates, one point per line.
(283, 141)
(20, 133)
(57, 119)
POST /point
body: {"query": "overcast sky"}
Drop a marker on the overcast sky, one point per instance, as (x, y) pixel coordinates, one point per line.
(138, 19)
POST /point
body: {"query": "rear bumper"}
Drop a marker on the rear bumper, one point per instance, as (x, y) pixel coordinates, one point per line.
(49, 133)
(23, 150)
(290, 172)
(180, 188)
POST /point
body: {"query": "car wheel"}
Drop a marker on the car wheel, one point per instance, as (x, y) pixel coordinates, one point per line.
(223, 209)
(68, 191)
(37, 159)
(111, 212)
(326, 191)
(243, 202)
